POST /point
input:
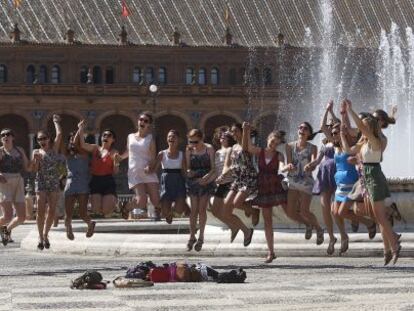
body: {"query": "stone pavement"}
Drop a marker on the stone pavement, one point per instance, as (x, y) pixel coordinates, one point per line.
(148, 238)
(40, 281)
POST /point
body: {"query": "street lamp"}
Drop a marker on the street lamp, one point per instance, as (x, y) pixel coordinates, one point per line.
(153, 90)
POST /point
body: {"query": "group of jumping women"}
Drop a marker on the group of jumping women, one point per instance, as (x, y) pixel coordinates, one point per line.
(230, 173)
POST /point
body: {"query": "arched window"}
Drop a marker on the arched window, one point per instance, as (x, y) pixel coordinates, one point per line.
(149, 75)
(137, 75)
(215, 78)
(256, 76)
(162, 75)
(97, 75)
(84, 74)
(30, 74)
(202, 76)
(232, 76)
(267, 76)
(55, 74)
(3, 74)
(43, 74)
(189, 75)
(109, 75)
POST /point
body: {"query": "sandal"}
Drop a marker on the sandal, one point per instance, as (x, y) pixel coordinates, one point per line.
(40, 246)
(372, 230)
(319, 236)
(308, 232)
(3, 233)
(169, 219)
(355, 226)
(331, 247)
(191, 243)
(270, 257)
(198, 245)
(69, 232)
(233, 235)
(396, 254)
(344, 246)
(91, 229)
(255, 217)
(46, 243)
(248, 239)
(395, 213)
(387, 257)
(124, 211)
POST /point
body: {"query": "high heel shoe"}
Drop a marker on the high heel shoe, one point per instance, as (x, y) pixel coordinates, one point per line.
(233, 235)
(372, 231)
(387, 257)
(395, 213)
(270, 257)
(3, 233)
(191, 243)
(331, 247)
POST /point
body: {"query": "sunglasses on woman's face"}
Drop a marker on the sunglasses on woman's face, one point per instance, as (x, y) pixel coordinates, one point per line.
(43, 138)
(303, 127)
(335, 133)
(6, 134)
(193, 142)
(143, 120)
(107, 135)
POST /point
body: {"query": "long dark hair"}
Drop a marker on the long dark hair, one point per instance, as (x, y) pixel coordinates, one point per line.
(312, 134)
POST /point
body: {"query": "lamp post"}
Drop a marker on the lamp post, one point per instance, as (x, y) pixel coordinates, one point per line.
(153, 88)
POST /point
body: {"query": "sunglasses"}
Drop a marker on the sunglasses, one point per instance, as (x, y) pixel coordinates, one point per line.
(193, 142)
(6, 134)
(144, 120)
(335, 133)
(107, 135)
(42, 138)
(303, 128)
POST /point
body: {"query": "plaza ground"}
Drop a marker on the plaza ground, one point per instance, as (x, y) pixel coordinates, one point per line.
(40, 281)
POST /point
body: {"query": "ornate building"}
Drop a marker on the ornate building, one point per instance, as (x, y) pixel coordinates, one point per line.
(214, 62)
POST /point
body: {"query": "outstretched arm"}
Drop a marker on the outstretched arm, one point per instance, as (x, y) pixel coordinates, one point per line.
(324, 127)
(84, 145)
(250, 147)
(58, 130)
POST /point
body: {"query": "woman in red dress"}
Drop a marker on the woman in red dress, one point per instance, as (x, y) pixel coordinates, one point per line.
(270, 190)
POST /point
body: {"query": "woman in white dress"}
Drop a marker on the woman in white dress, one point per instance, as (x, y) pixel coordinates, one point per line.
(141, 154)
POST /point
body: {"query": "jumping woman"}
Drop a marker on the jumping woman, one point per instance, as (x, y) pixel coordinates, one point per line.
(104, 165)
(299, 154)
(13, 161)
(47, 162)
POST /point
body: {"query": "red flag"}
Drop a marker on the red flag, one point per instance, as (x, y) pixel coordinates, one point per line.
(125, 10)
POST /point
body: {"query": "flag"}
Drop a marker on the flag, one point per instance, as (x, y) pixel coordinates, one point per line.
(125, 10)
(227, 15)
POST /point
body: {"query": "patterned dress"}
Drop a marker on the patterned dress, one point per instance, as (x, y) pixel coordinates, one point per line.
(244, 172)
(299, 179)
(51, 167)
(200, 164)
(270, 190)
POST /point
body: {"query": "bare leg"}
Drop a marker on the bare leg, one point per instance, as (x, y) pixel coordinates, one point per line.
(153, 192)
(7, 211)
(267, 213)
(305, 200)
(96, 203)
(385, 226)
(41, 213)
(108, 204)
(326, 209)
(193, 216)
(83, 208)
(218, 211)
(20, 216)
(52, 198)
(202, 212)
(292, 208)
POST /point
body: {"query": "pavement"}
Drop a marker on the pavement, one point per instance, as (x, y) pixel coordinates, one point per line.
(33, 280)
(149, 238)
